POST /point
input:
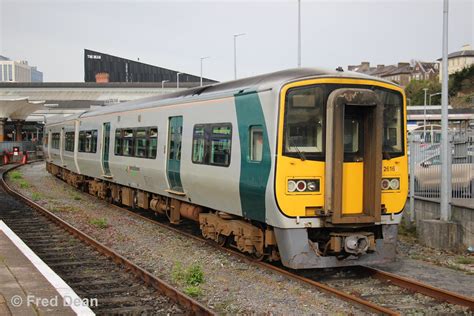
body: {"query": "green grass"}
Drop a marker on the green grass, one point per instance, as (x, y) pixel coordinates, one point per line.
(465, 260)
(192, 277)
(15, 175)
(76, 196)
(99, 222)
(36, 196)
(23, 184)
(193, 291)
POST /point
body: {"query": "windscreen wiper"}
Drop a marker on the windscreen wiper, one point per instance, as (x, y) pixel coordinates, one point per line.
(300, 153)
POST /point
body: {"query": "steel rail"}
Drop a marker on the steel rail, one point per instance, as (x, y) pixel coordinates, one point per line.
(425, 289)
(160, 285)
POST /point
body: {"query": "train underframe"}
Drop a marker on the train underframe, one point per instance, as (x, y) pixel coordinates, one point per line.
(296, 248)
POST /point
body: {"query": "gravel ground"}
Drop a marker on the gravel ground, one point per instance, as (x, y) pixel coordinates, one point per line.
(230, 285)
(408, 247)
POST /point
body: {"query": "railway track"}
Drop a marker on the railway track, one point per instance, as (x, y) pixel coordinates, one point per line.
(90, 268)
(372, 290)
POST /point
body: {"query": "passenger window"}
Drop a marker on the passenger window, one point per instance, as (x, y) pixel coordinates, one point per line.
(140, 143)
(118, 142)
(152, 143)
(199, 143)
(256, 143)
(220, 145)
(55, 138)
(93, 141)
(88, 141)
(212, 144)
(351, 135)
(69, 141)
(127, 148)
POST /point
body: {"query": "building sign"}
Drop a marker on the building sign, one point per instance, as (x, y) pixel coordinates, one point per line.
(94, 56)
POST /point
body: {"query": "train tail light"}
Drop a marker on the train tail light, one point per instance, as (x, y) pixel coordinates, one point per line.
(303, 186)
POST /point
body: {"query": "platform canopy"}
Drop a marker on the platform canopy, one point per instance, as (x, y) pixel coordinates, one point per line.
(18, 108)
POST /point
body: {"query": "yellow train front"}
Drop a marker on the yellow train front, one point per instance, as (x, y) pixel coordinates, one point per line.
(340, 171)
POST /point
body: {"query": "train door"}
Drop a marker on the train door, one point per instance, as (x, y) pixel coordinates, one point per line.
(173, 162)
(105, 149)
(354, 156)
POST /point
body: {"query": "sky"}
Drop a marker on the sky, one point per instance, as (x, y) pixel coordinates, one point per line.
(52, 34)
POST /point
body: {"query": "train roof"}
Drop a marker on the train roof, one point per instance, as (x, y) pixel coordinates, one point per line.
(256, 83)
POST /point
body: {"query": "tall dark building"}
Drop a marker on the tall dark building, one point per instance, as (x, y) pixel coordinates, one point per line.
(117, 69)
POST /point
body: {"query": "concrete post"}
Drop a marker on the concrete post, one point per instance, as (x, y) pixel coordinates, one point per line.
(2, 129)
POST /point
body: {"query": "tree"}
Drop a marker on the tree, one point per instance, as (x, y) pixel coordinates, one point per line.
(462, 80)
(416, 94)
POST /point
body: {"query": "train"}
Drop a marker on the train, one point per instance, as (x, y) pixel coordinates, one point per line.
(307, 167)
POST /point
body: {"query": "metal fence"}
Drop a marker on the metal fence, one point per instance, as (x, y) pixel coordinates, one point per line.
(425, 164)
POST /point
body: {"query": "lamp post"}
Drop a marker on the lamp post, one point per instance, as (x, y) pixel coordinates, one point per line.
(424, 115)
(432, 95)
(177, 79)
(235, 53)
(163, 83)
(445, 196)
(202, 58)
(299, 33)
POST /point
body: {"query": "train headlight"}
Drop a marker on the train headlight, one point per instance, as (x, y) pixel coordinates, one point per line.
(385, 184)
(311, 186)
(390, 184)
(301, 186)
(291, 186)
(394, 184)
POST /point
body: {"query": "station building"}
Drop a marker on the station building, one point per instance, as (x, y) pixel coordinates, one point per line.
(101, 67)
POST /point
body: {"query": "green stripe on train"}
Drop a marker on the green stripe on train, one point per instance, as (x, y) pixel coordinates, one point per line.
(253, 175)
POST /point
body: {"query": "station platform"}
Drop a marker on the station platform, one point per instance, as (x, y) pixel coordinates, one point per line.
(28, 286)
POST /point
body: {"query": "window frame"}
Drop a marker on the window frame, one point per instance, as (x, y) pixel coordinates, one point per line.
(209, 136)
(82, 141)
(253, 128)
(119, 137)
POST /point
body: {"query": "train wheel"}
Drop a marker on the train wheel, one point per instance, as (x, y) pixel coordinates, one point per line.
(257, 255)
(221, 240)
